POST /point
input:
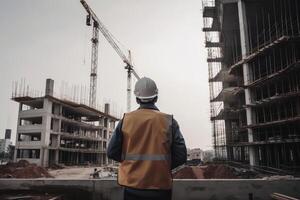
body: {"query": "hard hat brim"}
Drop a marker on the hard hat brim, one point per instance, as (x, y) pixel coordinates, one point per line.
(148, 97)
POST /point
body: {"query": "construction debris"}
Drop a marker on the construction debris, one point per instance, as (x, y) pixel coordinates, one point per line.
(23, 169)
(189, 172)
(105, 172)
(205, 172)
(219, 171)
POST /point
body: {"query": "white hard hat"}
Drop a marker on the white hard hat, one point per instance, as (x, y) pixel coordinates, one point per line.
(145, 88)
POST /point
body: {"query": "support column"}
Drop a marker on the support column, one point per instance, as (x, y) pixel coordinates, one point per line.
(56, 160)
(17, 135)
(15, 155)
(45, 161)
(246, 74)
(45, 137)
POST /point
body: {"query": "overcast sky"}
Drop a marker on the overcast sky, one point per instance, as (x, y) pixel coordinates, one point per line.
(42, 39)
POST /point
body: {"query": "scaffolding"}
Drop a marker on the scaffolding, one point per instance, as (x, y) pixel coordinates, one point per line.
(261, 118)
(214, 58)
(68, 92)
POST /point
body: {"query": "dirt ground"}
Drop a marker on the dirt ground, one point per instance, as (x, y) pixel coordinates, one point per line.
(205, 172)
(23, 169)
(77, 172)
(72, 172)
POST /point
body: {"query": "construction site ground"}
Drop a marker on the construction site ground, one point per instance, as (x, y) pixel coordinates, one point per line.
(78, 172)
(23, 180)
(186, 172)
(214, 171)
(24, 169)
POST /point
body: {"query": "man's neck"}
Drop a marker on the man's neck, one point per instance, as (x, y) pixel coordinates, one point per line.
(148, 106)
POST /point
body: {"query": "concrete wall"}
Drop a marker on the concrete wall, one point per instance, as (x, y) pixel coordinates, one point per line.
(183, 189)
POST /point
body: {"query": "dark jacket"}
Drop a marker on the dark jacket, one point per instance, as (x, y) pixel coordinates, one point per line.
(178, 148)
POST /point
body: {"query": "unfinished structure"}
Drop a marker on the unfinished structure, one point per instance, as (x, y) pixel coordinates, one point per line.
(254, 80)
(52, 130)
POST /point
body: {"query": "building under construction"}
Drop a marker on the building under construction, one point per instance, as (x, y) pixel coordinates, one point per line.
(254, 80)
(58, 131)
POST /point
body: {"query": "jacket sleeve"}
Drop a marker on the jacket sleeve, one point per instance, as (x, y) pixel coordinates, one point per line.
(178, 148)
(114, 149)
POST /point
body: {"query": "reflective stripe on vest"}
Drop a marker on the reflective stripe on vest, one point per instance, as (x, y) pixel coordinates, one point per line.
(145, 157)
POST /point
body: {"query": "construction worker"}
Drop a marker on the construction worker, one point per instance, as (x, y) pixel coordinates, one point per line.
(96, 173)
(148, 144)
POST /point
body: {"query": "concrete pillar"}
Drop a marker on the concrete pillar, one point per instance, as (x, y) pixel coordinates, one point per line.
(107, 108)
(46, 122)
(58, 136)
(49, 87)
(46, 126)
(56, 156)
(246, 73)
(15, 155)
(17, 133)
(45, 161)
(229, 138)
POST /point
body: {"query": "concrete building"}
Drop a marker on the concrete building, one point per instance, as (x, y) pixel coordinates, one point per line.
(52, 130)
(7, 134)
(193, 154)
(4, 143)
(254, 80)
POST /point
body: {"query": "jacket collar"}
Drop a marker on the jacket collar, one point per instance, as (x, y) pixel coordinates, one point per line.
(148, 106)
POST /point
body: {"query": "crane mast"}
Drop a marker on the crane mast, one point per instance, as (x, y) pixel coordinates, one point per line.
(99, 26)
(94, 66)
(129, 78)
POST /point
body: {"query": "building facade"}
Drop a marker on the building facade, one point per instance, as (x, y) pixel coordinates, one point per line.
(4, 145)
(56, 131)
(195, 154)
(254, 80)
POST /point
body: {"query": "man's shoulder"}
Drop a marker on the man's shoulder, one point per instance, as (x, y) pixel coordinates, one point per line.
(153, 111)
(143, 111)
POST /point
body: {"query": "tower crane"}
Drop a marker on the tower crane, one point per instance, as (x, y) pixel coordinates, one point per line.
(92, 19)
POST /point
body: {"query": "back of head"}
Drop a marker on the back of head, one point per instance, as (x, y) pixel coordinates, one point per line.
(146, 91)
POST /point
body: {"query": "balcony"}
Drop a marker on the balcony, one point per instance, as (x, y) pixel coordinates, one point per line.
(223, 76)
(31, 113)
(30, 128)
(226, 114)
(228, 94)
(80, 136)
(28, 143)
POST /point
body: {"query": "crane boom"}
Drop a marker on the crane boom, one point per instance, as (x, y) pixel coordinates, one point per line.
(98, 25)
(108, 36)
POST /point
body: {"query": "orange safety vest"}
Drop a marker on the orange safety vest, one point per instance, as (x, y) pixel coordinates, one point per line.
(146, 150)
